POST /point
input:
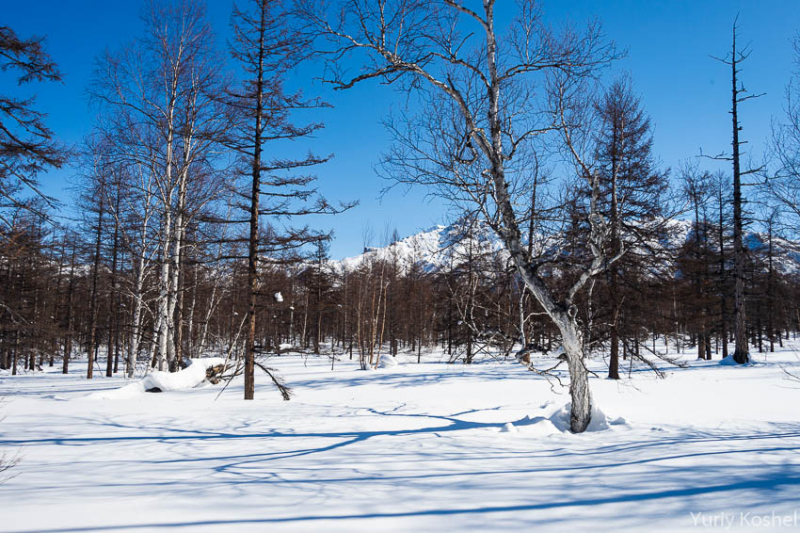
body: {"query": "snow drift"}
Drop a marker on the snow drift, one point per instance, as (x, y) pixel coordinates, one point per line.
(600, 421)
(387, 361)
(189, 377)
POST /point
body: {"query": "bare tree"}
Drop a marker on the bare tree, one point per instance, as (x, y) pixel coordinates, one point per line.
(739, 94)
(156, 93)
(27, 145)
(266, 46)
(785, 184)
(135, 218)
(634, 197)
(96, 174)
(479, 90)
(695, 261)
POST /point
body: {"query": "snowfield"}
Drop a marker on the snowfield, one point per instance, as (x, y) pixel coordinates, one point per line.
(428, 447)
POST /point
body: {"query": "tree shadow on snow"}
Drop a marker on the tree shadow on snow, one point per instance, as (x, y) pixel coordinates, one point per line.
(685, 467)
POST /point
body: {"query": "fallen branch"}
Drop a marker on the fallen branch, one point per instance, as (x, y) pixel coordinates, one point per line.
(285, 391)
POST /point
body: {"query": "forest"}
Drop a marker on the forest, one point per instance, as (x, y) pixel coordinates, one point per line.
(198, 235)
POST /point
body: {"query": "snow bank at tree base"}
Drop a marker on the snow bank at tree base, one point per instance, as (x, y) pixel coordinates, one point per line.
(188, 378)
(730, 361)
(558, 422)
(599, 422)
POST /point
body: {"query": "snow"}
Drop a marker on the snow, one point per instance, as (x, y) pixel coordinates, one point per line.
(508, 427)
(730, 361)
(189, 377)
(434, 247)
(278, 297)
(387, 361)
(425, 447)
(131, 390)
(600, 422)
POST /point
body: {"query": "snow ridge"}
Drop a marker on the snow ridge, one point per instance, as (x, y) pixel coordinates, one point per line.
(439, 247)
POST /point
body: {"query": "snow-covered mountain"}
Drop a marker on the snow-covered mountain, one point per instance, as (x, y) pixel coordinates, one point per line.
(435, 248)
(432, 249)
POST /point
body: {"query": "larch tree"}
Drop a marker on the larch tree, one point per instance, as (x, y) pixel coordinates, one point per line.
(266, 47)
(94, 206)
(27, 145)
(722, 199)
(695, 261)
(634, 195)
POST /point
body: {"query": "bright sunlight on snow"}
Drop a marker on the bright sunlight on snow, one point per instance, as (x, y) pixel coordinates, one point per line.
(411, 447)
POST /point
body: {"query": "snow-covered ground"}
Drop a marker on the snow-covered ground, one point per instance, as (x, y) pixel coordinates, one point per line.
(430, 447)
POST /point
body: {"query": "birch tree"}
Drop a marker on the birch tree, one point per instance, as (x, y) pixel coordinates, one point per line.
(160, 86)
(484, 93)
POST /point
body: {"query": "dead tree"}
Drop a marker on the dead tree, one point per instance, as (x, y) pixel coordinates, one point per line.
(739, 94)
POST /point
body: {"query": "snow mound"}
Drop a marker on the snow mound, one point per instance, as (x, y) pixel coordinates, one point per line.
(599, 422)
(730, 361)
(189, 377)
(508, 428)
(387, 361)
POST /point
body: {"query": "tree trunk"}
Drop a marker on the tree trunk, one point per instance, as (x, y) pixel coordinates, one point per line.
(93, 304)
(162, 319)
(581, 408)
(112, 314)
(742, 352)
(252, 256)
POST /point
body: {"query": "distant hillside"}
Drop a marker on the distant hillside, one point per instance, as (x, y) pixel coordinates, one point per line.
(433, 249)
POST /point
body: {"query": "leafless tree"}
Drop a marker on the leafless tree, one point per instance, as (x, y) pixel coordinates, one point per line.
(27, 145)
(785, 184)
(481, 110)
(739, 95)
(158, 92)
(634, 199)
(266, 46)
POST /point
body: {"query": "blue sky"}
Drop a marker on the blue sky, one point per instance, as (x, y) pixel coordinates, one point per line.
(686, 93)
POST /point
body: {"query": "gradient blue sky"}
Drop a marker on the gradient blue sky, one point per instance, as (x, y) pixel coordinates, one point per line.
(685, 92)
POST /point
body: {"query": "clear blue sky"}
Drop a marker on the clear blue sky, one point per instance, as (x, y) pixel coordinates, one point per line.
(685, 92)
